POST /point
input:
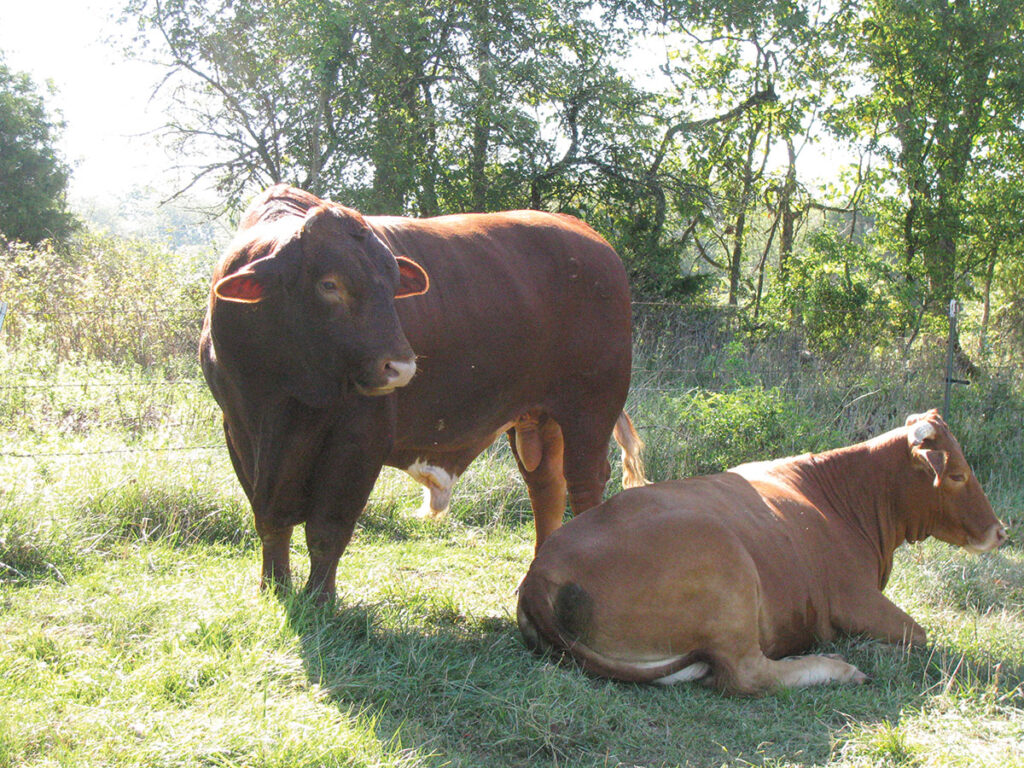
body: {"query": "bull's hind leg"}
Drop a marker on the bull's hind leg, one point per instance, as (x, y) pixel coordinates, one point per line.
(585, 461)
(538, 446)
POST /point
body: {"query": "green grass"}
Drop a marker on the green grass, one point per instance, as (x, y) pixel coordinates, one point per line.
(148, 643)
(133, 632)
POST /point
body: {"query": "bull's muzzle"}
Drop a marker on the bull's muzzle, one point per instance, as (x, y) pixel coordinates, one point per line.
(389, 375)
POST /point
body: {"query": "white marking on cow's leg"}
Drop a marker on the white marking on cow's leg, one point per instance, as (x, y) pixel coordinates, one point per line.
(693, 672)
(437, 493)
(803, 671)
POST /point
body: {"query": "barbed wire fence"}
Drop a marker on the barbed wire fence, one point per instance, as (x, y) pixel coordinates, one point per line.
(678, 347)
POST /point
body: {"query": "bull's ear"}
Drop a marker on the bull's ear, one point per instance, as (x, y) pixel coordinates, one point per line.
(936, 460)
(414, 279)
(242, 287)
(252, 283)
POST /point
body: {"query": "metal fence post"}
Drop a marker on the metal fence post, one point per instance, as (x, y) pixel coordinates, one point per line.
(949, 357)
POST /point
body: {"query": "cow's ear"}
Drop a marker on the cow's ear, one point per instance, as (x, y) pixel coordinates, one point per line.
(414, 279)
(242, 287)
(936, 460)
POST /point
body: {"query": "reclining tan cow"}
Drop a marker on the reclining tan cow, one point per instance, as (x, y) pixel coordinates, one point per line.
(722, 577)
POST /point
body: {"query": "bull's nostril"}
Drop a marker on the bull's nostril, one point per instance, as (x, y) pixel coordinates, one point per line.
(399, 373)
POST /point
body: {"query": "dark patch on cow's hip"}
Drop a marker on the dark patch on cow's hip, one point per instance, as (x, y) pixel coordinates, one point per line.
(574, 612)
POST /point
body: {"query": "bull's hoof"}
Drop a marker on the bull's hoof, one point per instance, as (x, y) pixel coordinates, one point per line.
(426, 512)
(275, 584)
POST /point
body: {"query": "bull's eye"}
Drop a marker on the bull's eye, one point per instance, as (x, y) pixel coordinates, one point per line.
(958, 478)
(332, 291)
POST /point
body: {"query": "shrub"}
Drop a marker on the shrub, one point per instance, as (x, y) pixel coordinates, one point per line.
(103, 298)
(840, 294)
(720, 430)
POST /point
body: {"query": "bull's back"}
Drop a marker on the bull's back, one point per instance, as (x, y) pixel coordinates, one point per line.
(524, 308)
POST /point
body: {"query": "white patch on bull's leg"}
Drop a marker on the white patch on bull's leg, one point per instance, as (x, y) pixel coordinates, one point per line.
(437, 489)
(693, 672)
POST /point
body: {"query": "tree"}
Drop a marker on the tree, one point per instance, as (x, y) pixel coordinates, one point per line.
(947, 86)
(33, 178)
(252, 88)
(392, 105)
(778, 65)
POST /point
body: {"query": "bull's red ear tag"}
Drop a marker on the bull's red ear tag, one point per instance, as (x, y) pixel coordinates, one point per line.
(414, 280)
(241, 287)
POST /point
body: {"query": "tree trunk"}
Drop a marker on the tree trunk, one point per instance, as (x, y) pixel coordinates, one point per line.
(736, 262)
(482, 116)
(788, 215)
(990, 270)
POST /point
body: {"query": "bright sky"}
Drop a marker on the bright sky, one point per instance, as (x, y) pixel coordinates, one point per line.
(103, 97)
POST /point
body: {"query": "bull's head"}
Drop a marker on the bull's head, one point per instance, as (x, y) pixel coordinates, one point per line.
(957, 510)
(322, 309)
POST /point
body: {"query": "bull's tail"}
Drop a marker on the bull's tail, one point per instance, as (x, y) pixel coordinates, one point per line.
(557, 619)
(626, 436)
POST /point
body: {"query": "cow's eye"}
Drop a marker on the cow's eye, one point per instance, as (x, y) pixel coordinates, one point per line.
(328, 285)
(958, 478)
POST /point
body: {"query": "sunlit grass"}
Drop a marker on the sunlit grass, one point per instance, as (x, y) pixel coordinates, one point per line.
(133, 631)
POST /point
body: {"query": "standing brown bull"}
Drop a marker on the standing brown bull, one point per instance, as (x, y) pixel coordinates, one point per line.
(335, 344)
(720, 577)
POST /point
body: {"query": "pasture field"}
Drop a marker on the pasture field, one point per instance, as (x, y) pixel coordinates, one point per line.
(133, 633)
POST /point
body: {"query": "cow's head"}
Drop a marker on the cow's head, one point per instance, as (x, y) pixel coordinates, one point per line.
(318, 310)
(951, 504)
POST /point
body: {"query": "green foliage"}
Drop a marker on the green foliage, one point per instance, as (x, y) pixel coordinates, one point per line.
(946, 88)
(33, 178)
(840, 293)
(100, 297)
(724, 429)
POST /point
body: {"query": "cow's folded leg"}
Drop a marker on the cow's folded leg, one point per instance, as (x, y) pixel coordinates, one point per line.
(757, 674)
(873, 614)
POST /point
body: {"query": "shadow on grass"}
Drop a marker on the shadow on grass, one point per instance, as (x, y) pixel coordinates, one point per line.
(465, 692)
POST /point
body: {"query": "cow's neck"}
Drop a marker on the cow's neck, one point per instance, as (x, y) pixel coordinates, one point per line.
(859, 485)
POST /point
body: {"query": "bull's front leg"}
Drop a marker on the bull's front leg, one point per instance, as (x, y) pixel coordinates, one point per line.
(274, 536)
(341, 484)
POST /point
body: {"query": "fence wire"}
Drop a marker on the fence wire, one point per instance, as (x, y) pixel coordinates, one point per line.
(678, 348)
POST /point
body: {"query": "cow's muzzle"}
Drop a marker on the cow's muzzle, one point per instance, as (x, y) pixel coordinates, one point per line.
(994, 537)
